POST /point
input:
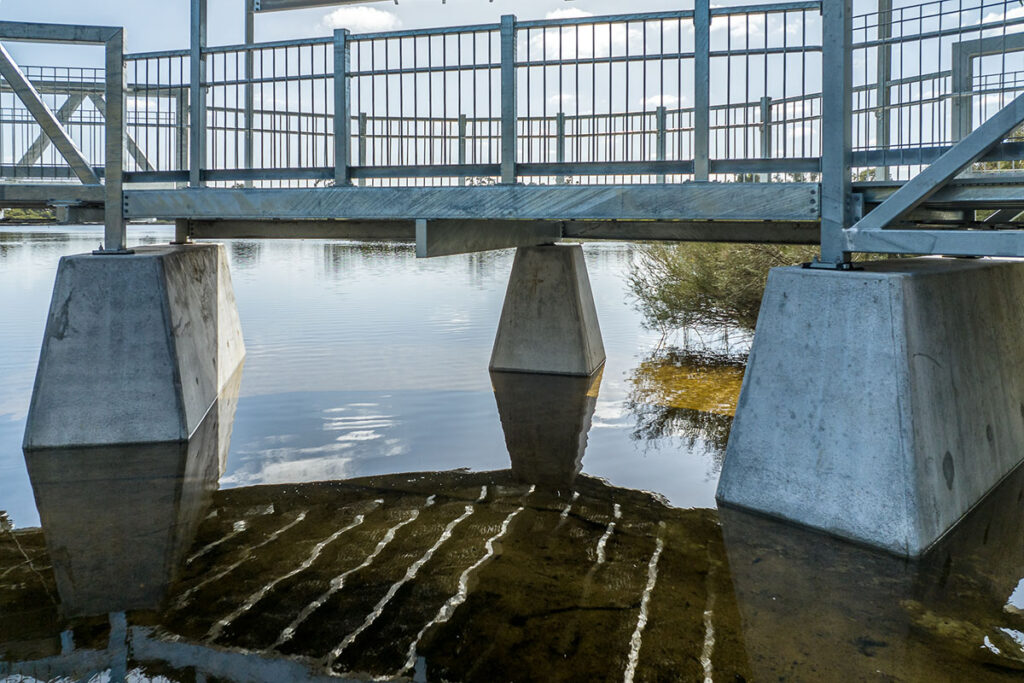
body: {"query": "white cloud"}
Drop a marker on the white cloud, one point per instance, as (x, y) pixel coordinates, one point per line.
(655, 101)
(569, 13)
(362, 19)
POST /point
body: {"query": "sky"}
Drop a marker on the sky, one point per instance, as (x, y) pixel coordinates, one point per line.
(163, 24)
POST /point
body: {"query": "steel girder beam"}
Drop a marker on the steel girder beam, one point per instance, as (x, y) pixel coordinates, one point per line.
(960, 156)
(281, 5)
(445, 238)
(778, 232)
(969, 191)
(46, 119)
(685, 202)
(39, 194)
(1004, 243)
(32, 32)
(372, 231)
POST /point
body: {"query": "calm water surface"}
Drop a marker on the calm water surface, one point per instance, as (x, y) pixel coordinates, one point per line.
(367, 502)
(361, 360)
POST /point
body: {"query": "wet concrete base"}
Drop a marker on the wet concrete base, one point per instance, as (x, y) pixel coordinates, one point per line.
(137, 347)
(881, 405)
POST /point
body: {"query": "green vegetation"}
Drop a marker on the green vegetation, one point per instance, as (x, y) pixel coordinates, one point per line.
(677, 286)
(27, 215)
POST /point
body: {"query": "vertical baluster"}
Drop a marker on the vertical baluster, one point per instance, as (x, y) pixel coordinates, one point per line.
(342, 110)
(702, 85)
(508, 99)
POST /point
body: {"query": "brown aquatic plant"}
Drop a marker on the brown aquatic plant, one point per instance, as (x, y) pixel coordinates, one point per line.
(674, 392)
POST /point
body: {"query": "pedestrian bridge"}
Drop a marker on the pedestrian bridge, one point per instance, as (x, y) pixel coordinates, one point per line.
(884, 126)
(698, 124)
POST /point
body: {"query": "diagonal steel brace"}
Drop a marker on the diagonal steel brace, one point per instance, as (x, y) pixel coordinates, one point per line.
(945, 168)
(39, 145)
(46, 119)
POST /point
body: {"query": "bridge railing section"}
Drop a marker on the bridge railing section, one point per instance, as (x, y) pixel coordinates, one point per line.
(573, 100)
(720, 93)
(928, 73)
(157, 107)
(26, 153)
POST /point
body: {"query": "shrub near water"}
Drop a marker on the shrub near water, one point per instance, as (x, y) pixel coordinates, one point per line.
(677, 286)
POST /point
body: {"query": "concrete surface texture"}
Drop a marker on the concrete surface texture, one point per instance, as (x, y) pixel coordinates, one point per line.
(880, 405)
(136, 349)
(549, 322)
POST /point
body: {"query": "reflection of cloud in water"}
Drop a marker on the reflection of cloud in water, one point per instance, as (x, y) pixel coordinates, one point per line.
(677, 393)
(358, 435)
(608, 414)
(293, 471)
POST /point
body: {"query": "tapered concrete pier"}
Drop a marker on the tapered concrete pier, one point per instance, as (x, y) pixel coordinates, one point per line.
(137, 347)
(549, 321)
(883, 404)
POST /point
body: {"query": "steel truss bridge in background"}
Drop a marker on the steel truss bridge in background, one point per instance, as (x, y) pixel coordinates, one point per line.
(868, 125)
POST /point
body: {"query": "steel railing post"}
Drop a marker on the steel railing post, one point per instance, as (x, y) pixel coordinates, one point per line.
(509, 120)
(342, 108)
(362, 144)
(197, 94)
(766, 127)
(766, 134)
(702, 88)
(560, 143)
(462, 146)
(836, 129)
(883, 74)
(661, 121)
(250, 39)
(115, 238)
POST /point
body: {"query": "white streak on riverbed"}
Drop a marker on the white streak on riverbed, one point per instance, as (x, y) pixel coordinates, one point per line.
(410, 574)
(709, 626)
(338, 582)
(566, 510)
(607, 534)
(453, 603)
(246, 556)
(641, 622)
(251, 601)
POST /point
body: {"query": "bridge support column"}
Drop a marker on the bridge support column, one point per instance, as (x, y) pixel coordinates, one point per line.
(137, 348)
(881, 405)
(549, 321)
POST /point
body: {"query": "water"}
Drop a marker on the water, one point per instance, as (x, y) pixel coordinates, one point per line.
(361, 360)
(368, 502)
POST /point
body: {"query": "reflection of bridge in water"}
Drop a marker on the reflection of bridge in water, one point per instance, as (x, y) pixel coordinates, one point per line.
(884, 127)
(532, 573)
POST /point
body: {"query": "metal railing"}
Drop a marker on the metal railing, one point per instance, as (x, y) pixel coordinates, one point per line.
(708, 93)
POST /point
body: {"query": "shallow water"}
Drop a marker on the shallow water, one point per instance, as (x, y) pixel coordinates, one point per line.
(367, 501)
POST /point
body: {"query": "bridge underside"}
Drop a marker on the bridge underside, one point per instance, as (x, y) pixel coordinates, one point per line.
(976, 206)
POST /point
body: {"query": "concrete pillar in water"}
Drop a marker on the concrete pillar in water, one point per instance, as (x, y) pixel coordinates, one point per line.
(137, 348)
(120, 519)
(881, 405)
(546, 419)
(549, 321)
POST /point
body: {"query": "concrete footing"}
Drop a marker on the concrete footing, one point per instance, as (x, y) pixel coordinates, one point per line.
(549, 321)
(881, 405)
(137, 348)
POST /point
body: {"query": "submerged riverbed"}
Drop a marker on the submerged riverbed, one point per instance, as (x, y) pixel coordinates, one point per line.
(369, 502)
